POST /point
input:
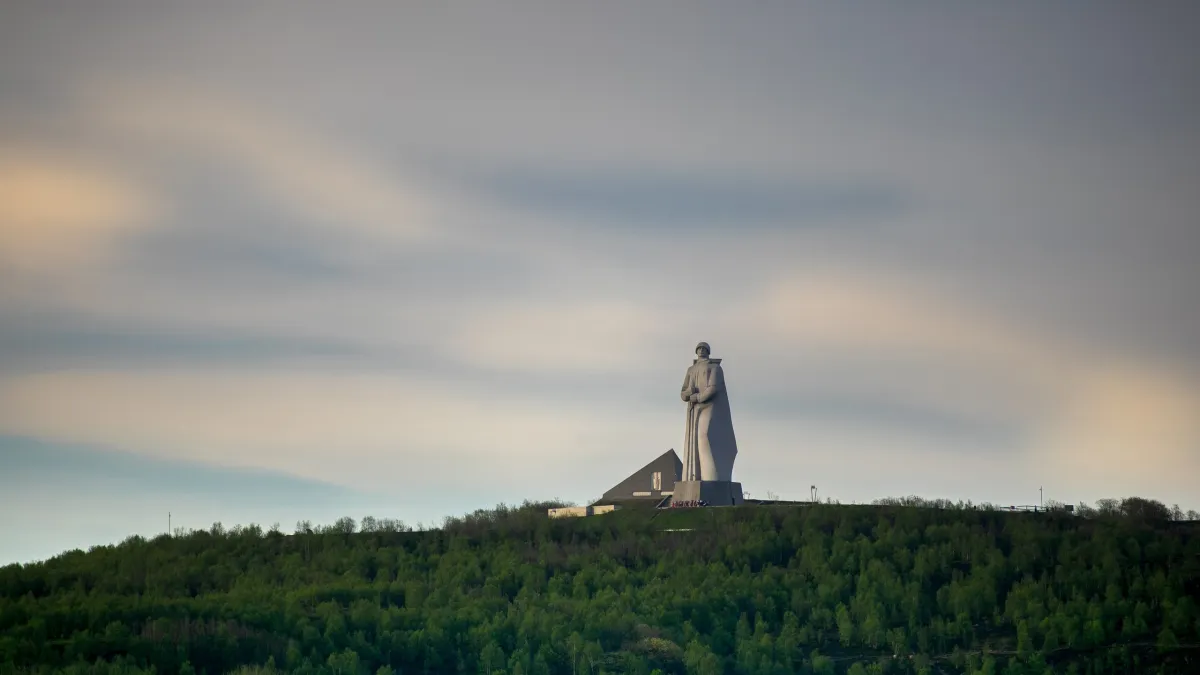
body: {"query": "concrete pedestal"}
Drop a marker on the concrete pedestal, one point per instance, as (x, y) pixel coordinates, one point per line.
(711, 492)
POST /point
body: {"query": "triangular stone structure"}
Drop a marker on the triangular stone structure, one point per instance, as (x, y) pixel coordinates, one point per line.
(654, 481)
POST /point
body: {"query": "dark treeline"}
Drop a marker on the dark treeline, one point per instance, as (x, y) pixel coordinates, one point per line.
(905, 586)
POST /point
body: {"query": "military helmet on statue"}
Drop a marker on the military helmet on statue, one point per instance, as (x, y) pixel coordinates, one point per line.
(704, 346)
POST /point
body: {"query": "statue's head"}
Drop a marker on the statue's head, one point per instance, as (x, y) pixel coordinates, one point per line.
(703, 350)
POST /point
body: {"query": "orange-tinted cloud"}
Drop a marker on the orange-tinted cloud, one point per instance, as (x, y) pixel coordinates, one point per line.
(1123, 429)
(591, 335)
(58, 211)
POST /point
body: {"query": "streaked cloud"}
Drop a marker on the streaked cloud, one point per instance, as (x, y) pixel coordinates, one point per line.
(91, 495)
(301, 421)
(637, 198)
(308, 175)
(97, 472)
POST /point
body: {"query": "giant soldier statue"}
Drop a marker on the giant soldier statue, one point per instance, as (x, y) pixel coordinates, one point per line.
(709, 446)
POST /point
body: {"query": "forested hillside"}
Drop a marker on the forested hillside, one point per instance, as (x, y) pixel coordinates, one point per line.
(751, 590)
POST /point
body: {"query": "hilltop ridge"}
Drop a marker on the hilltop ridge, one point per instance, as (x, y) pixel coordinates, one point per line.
(767, 589)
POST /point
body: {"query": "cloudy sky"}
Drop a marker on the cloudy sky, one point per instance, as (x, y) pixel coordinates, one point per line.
(272, 261)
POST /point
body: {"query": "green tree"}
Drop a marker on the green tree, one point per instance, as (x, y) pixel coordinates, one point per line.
(345, 662)
(1024, 642)
(700, 660)
(821, 664)
(845, 625)
(492, 658)
(1166, 640)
